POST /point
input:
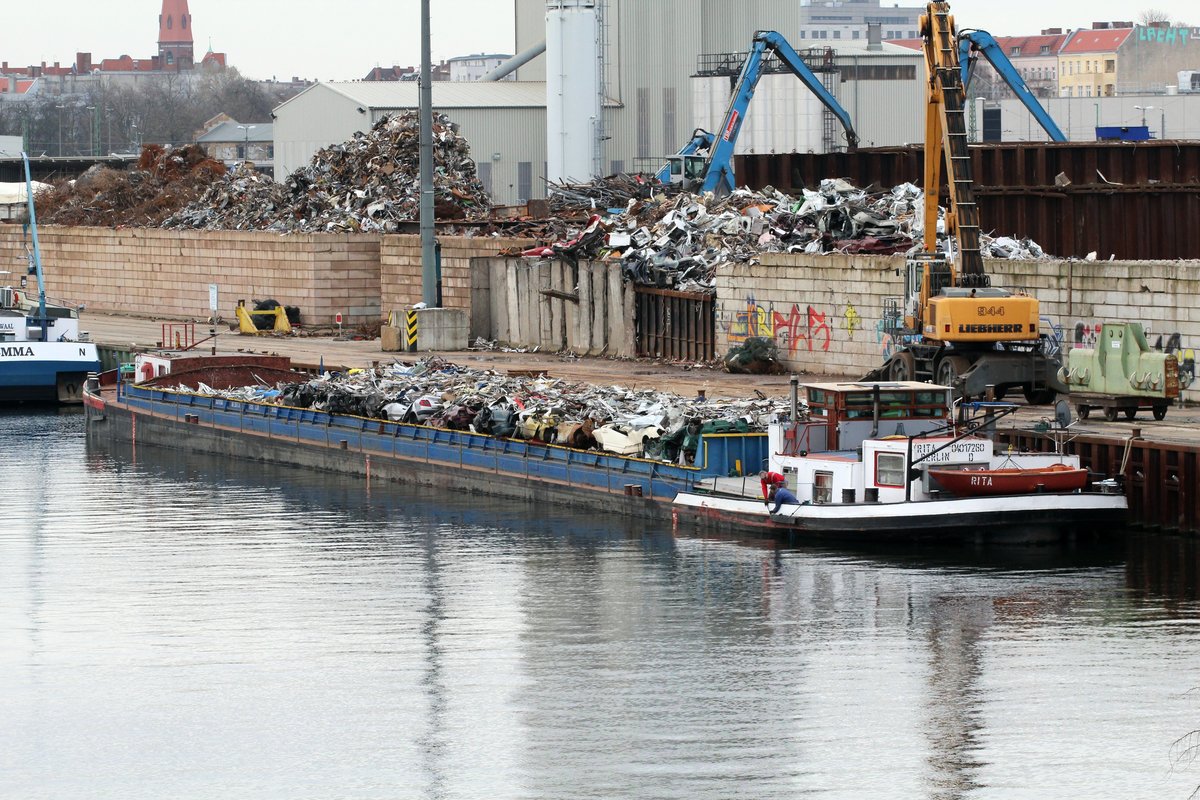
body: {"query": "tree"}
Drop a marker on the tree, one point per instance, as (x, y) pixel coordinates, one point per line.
(1154, 16)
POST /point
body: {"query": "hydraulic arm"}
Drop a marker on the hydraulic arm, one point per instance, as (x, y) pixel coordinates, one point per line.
(718, 176)
(983, 42)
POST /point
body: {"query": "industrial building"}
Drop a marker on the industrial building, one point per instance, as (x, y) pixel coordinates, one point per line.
(505, 123)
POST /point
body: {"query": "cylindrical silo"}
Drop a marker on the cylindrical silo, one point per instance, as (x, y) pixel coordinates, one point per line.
(572, 89)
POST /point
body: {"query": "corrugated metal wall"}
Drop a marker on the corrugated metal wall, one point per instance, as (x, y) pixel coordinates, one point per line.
(1130, 201)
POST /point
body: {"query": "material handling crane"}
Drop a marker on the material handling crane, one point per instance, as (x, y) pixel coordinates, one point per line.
(975, 41)
(954, 327)
(714, 173)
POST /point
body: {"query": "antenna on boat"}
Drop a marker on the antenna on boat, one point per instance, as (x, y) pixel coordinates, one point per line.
(37, 251)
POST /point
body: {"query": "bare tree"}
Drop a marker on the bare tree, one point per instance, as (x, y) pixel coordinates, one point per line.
(1154, 16)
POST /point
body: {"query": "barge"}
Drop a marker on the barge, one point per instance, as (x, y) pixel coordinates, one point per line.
(846, 452)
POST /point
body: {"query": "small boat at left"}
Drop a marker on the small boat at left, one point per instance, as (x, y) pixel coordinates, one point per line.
(44, 357)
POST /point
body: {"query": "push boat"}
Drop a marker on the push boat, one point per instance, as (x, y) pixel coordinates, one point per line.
(901, 460)
(867, 460)
(44, 357)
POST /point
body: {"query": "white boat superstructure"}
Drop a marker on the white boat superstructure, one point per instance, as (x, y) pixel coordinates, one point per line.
(858, 458)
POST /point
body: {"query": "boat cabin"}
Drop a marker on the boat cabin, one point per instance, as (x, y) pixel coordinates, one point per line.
(857, 440)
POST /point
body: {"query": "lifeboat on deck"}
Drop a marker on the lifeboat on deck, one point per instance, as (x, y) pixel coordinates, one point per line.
(981, 482)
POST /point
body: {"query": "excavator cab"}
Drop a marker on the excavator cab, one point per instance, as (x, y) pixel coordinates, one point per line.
(687, 170)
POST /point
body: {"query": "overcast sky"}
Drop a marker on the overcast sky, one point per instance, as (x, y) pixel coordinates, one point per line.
(324, 39)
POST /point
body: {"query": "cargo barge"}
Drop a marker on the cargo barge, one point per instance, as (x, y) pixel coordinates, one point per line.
(141, 408)
(149, 406)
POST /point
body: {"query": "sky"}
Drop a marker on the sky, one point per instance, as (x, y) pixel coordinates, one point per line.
(323, 40)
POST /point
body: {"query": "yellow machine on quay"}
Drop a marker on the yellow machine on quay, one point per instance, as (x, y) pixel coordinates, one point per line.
(952, 326)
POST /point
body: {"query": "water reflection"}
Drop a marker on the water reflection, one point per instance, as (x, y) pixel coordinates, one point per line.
(181, 625)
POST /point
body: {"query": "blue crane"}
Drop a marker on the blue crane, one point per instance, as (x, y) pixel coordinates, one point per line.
(983, 42)
(716, 171)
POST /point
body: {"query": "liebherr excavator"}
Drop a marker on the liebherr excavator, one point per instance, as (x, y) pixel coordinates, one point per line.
(952, 326)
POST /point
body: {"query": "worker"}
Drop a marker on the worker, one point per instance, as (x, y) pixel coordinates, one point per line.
(782, 496)
(768, 479)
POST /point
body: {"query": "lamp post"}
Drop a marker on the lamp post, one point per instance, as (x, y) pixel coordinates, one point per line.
(93, 139)
(60, 108)
(246, 145)
(1144, 109)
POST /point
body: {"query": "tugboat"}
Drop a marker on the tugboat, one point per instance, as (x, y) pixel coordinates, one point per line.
(889, 460)
(43, 355)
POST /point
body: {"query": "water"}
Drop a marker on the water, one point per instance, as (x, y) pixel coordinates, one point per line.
(185, 628)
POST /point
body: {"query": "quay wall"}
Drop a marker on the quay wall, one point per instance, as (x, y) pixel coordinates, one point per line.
(167, 273)
(825, 313)
(400, 268)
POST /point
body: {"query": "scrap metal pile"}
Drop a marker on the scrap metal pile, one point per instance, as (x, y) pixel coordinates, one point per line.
(162, 182)
(370, 183)
(676, 240)
(441, 394)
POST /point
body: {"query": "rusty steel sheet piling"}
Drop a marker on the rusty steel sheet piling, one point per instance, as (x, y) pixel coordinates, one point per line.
(1126, 200)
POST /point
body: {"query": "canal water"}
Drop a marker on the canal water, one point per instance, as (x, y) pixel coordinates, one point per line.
(197, 627)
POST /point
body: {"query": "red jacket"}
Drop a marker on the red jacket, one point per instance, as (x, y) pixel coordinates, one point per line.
(771, 479)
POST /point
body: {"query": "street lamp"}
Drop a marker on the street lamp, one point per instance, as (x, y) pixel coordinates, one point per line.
(60, 110)
(1144, 109)
(246, 145)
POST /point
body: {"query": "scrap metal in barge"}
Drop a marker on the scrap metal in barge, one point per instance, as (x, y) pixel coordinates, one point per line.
(858, 455)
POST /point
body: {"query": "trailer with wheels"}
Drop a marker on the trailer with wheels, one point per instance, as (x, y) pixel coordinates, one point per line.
(1114, 406)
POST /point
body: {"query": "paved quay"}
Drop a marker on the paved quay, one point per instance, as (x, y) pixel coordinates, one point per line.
(133, 332)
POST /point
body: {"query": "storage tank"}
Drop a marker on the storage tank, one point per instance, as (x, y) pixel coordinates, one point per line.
(572, 90)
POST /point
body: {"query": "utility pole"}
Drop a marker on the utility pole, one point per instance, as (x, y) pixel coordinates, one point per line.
(429, 267)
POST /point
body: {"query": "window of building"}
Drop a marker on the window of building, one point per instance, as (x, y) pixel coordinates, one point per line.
(668, 114)
(170, 22)
(1110, 66)
(524, 181)
(484, 170)
(643, 123)
(802, 34)
(183, 21)
(170, 57)
(1014, 51)
(837, 34)
(889, 469)
(822, 487)
(856, 34)
(1045, 50)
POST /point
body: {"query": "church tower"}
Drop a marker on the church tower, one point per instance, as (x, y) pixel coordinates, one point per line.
(175, 36)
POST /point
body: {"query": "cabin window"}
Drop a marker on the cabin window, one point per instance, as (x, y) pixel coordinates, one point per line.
(822, 487)
(889, 469)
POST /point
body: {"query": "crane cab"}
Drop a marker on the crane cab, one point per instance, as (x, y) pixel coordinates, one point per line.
(688, 170)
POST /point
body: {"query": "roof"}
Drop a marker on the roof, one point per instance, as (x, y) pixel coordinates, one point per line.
(1031, 46)
(231, 132)
(23, 86)
(446, 94)
(911, 44)
(1087, 40)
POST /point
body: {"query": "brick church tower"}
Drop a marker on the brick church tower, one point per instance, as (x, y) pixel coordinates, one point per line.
(175, 36)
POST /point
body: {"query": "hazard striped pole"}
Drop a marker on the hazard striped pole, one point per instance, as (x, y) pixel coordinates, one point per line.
(411, 330)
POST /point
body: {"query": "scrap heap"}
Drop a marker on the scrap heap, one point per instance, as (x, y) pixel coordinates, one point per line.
(665, 238)
(162, 182)
(370, 183)
(438, 393)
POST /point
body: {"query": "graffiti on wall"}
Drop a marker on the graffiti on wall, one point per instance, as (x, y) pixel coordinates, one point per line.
(797, 329)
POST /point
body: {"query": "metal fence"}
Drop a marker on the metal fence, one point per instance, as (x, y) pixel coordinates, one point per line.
(678, 325)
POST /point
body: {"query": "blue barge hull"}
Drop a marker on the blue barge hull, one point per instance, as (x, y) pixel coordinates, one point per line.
(413, 453)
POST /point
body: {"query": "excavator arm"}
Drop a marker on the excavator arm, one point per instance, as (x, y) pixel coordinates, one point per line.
(718, 176)
(983, 42)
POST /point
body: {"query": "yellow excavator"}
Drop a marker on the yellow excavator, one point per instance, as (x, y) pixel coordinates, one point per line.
(952, 326)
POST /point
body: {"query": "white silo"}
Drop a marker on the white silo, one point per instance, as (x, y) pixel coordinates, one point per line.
(573, 90)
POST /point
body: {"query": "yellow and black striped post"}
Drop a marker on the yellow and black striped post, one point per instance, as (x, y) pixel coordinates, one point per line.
(411, 330)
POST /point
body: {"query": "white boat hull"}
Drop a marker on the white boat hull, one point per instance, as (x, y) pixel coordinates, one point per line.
(912, 519)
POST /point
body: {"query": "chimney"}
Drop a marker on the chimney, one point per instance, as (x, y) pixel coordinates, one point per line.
(1052, 32)
(874, 36)
(1101, 26)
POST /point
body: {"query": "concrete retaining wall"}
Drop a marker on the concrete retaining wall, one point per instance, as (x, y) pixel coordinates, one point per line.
(825, 312)
(400, 268)
(526, 306)
(167, 273)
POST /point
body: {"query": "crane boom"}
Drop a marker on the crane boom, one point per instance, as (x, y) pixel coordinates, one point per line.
(718, 176)
(983, 42)
(946, 135)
